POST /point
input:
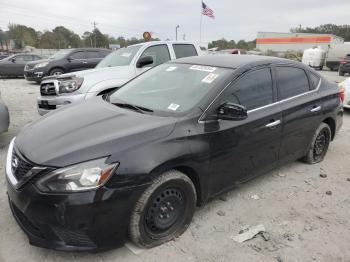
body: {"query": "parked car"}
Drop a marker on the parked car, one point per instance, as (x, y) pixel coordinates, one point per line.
(314, 57)
(335, 54)
(135, 163)
(2, 56)
(345, 86)
(4, 117)
(344, 66)
(112, 72)
(65, 61)
(14, 65)
(233, 51)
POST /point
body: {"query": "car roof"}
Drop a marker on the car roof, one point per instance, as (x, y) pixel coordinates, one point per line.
(230, 61)
(163, 42)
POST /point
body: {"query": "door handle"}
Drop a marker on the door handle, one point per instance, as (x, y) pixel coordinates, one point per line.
(316, 109)
(84, 62)
(273, 124)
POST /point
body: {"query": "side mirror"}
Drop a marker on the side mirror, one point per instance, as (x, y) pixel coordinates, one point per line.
(13, 60)
(143, 61)
(230, 111)
(69, 59)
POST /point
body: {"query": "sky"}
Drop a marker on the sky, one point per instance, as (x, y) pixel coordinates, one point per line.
(233, 19)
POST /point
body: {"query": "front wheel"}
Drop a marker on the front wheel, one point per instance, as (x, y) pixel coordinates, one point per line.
(319, 144)
(56, 72)
(164, 211)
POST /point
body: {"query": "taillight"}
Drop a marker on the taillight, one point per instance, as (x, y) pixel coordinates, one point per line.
(344, 61)
(341, 94)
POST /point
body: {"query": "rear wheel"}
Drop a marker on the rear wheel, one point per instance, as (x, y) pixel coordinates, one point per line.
(56, 72)
(164, 211)
(319, 144)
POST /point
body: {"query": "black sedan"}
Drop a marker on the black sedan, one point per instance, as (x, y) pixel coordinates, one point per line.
(14, 65)
(135, 163)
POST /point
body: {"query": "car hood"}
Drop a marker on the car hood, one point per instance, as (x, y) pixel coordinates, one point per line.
(88, 130)
(99, 74)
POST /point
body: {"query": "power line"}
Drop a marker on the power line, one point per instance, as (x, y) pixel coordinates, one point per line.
(61, 17)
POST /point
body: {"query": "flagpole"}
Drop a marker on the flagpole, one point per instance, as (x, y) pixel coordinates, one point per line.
(200, 24)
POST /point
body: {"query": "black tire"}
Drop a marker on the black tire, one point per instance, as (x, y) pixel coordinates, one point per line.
(56, 72)
(319, 144)
(164, 211)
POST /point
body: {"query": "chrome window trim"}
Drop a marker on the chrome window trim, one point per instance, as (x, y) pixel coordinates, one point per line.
(262, 107)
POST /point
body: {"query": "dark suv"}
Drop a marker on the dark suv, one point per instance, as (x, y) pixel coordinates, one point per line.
(64, 61)
(344, 66)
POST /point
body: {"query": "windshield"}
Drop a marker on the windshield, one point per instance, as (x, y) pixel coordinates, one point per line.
(121, 57)
(60, 54)
(171, 88)
(8, 58)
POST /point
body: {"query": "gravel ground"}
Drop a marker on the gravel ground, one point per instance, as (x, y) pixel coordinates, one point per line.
(302, 222)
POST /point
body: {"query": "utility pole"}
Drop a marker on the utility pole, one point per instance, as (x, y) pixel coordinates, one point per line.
(177, 27)
(94, 32)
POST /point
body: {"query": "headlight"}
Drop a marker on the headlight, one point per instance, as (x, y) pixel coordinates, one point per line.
(79, 177)
(42, 64)
(70, 85)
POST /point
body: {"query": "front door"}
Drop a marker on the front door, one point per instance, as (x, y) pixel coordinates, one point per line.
(241, 149)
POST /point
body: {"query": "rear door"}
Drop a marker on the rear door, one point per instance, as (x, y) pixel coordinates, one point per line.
(16, 67)
(77, 61)
(93, 57)
(241, 149)
(301, 110)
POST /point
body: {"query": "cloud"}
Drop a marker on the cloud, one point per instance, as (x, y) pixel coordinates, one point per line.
(233, 20)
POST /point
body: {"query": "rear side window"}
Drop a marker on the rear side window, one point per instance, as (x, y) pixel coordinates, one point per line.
(291, 82)
(184, 50)
(253, 90)
(92, 54)
(78, 55)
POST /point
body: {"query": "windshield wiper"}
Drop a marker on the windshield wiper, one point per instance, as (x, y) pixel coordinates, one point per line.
(139, 109)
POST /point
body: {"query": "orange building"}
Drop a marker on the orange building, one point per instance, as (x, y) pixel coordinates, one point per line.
(282, 42)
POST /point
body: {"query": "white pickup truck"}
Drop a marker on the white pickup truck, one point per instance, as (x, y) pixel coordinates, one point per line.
(112, 72)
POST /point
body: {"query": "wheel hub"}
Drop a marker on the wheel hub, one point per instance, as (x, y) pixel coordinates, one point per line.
(165, 211)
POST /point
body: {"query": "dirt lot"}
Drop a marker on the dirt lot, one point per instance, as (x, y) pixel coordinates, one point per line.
(302, 222)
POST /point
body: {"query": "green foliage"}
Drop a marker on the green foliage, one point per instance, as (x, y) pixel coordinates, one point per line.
(222, 44)
(23, 35)
(339, 30)
(61, 37)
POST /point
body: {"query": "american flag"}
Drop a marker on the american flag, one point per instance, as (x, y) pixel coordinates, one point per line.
(207, 11)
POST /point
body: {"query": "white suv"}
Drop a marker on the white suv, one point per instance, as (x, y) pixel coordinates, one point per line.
(111, 73)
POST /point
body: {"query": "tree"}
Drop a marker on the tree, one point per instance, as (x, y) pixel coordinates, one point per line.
(23, 35)
(339, 30)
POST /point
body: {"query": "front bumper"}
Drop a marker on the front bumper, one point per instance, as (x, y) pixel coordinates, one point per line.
(83, 221)
(48, 104)
(4, 117)
(34, 75)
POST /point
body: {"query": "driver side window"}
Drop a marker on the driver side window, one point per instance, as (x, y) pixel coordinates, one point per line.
(253, 90)
(159, 53)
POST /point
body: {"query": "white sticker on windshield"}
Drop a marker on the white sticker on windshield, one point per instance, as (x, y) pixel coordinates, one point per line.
(209, 78)
(171, 68)
(203, 68)
(173, 106)
(126, 54)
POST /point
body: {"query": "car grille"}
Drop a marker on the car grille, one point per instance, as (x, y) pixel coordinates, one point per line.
(19, 166)
(74, 237)
(28, 67)
(48, 89)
